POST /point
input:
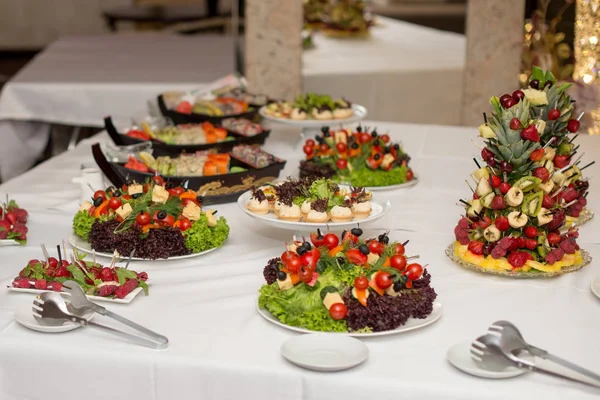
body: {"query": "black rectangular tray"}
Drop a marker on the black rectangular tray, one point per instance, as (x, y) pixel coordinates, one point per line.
(181, 118)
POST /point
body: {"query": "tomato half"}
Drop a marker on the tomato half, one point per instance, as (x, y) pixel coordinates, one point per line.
(356, 257)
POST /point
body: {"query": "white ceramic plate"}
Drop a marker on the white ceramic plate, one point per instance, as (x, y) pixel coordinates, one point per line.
(125, 300)
(324, 353)
(24, 316)
(459, 356)
(85, 247)
(410, 325)
(359, 114)
(404, 185)
(9, 242)
(378, 210)
(595, 286)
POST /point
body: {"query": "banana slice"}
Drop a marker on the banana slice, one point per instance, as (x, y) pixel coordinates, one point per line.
(543, 217)
(475, 208)
(483, 187)
(547, 186)
(549, 153)
(492, 234)
(540, 125)
(517, 219)
(514, 196)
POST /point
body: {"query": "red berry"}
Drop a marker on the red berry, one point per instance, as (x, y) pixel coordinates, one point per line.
(537, 155)
(515, 124)
(52, 262)
(561, 161)
(342, 163)
(573, 125)
(507, 167)
(33, 262)
(498, 203)
(541, 173)
(502, 223)
(56, 286)
(106, 274)
(21, 283)
(530, 133)
(531, 232)
(517, 258)
(531, 244)
(553, 238)
(509, 103)
(484, 222)
(553, 114)
(548, 201)
(518, 95)
(496, 181)
(534, 84)
(476, 247)
(62, 272)
(504, 187)
(41, 284)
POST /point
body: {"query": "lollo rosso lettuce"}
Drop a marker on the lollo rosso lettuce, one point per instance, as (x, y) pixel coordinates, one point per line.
(200, 237)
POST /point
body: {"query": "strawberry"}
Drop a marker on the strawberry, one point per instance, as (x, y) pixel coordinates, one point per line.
(553, 238)
(531, 244)
(106, 274)
(61, 272)
(498, 203)
(570, 194)
(41, 284)
(21, 215)
(536, 155)
(463, 223)
(531, 232)
(484, 222)
(541, 173)
(10, 217)
(517, 258)
(4, 225)
(561, 161)
(56, 286)
(515, 124)
(530, 133)
(504, 187)
(548, 201)
(553, 114)
(496, 181)
(52, 262)
(502, 223)
(476, 247)
(107, 290)
(21, 283)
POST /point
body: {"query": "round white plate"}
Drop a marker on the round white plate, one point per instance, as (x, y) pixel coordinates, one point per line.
(9, 242)
(459, 356)
(85, 247)
(359, 113)
(324, 353)
(24, 316)
(410, 325)
(393, 187)
(378, 210)
(595, 286)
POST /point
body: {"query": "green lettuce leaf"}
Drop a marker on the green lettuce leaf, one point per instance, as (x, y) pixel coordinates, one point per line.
(82, 224)
(201, 237)
(366, 177)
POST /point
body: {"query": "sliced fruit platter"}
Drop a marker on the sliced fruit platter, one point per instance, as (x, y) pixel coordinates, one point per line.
(188, 109)
(102, 283)
(347, 284)
(359, 158)
(515, 223)
(189, 138)
(155, 219)
(219, 177)
(313, 201)
(312, 110)
(13, 223)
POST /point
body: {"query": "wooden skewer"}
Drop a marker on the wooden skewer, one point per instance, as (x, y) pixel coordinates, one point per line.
(548, 143)
(94, 256)
(45, 253)
(412, 257)
(64, 243)
(469, 185)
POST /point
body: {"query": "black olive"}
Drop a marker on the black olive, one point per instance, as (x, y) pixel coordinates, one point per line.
(319, 234)
(169, 185)
(325, 129)
(396, 147)
(403, 279)
(340, 260)
(376, 157)
(374, 133)
(327, 134)
(110, 189)
(344, 232)
(282, 276)
(117, 193)
(359, 129)
(97, 201)
(383, 238)
(386, 150)
(548, 84)
(161, 214)
(129, 182)
(356, 232)
(135, 196)
(534, 84)
(376, 142)
(319, 139)
(200, 199)
(354, 145)
(363, 248)
(398, 286)
(306, 245)
(301, 250)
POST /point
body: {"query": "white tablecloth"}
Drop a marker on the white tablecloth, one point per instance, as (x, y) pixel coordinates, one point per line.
(222, 349)
(402, 72)
(78, 81)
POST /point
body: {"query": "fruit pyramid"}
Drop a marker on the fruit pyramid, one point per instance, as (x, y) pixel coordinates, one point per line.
(516, 221)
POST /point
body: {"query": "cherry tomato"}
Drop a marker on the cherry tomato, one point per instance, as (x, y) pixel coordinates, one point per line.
(169, 220)
(310, 258)
(305, 273)
(341, 147)
(308, 150)
(158, 180)
(114, 203)
(365, 137)
(143, 218)
(361, 282)
(398, 262)
(356, 257)
(385, 138)
(294, 263)
(185, 224)
(399, 249)
(338, 311)
(342, 163)
(331, 240)
(310, 143)
(414, 271)
(324, 147)
(375, 247)
(186, 201)
(178, 190)
(409, 175)
(317, 238)
(384, 280)
(286, 255)
(349, 237)
(100, 193)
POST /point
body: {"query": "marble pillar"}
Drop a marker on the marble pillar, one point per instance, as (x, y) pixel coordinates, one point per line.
(493, 59)
(273, 48)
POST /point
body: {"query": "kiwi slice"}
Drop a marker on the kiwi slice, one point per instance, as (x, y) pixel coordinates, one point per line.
(533, 203)
(528, 183)
(542, 251)
(564, 148)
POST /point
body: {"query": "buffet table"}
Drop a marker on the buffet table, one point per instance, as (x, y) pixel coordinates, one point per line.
(220, 348)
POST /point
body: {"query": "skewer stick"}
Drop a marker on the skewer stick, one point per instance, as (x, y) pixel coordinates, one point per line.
(464, 202)
(570, 204)
(412, 257)
(589, 165)
(580, 116)
(45, 253)
(59, 255)
(579, 158)
(405, 243)
(485, 118)
(469, 185)
(557, 192)
(130, 257)
(91, 187)
(64, 249)
(94, 256)
(476, 163)
(573, 139)
(549, 142)
(480, 147)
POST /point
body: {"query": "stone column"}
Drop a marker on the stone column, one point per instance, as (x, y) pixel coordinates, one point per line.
(273, 48)
(494, 45)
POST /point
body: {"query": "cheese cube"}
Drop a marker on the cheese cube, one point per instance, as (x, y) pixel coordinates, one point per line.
(341, 136)
(212, 220)
(285, 284)
(387, 160)
(124, 210)
(390, 291)
(331, 299)
(372, 258)
(86, 205)
(191, 211)
(135, 189)
(160, 194)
